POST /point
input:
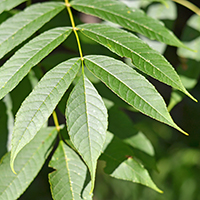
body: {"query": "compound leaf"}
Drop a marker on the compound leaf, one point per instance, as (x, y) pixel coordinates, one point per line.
(22, 25)
(132, 19)
(13, 71)
(40, 103)
(70, 172)
(87, 122)
(28, 163)
(128, 45)
(130, 86)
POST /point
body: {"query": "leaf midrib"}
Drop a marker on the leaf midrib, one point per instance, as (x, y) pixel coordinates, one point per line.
(129, 89)
(26, 128)
(27, 25)
(123, 17)
(38, 148)
(31, 58)
(132, 51)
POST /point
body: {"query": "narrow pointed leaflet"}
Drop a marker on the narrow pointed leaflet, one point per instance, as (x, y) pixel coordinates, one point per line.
(28, 163)
(40, 103)
(131, 87)
(133, 19)
(70, 172)
(17, 67)
(126, 44)
(87, 123)
(21, 26)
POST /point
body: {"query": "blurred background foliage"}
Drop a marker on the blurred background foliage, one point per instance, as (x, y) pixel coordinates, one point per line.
(173, 160)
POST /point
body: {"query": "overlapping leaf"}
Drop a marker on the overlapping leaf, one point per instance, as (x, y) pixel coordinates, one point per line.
(69, 180)
(120, 163)
(28, 163)
(9, 4)
(22, 25)
(12, 72)
(130, 86)
(127, 45)
(41, 102)
(134, 20)
(87, 122)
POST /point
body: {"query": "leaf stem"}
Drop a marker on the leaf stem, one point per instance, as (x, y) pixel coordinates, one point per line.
(74, 28)
(55, 119)
(189, 5)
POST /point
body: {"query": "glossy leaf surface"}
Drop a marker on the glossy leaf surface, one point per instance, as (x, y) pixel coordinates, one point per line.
(68, 181)
(40, 104)
(22, 25)
(130, 86)
(14, 70)
(87, 122)
(28, 163)
(132, 19)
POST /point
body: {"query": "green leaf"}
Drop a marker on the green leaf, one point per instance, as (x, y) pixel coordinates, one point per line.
(160, 11)
(87, 123)
(134, 20)
(189, 74)
(143, 57)
(3, 128)
(122, 127)
(131, 87)
(120, 163)
(127, 132)
(69, 180)
(6, 5)
(28, 163)
(40, 103)
(195, 44)
(22, 25)
(13, 71)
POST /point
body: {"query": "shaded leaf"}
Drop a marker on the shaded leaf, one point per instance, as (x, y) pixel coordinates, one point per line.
(121, 164)
(189, 74)
(143, 57)
(40, 103)
(162, 11)
(13, 71)
(131, 87)
(22, 25)
(195, 44)
(87, 122)
(6, 5)
(122, 127)
(28, 163)
(69, 178)
(132, 19)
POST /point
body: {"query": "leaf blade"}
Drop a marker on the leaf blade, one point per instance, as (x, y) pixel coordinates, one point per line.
(12, 72)
(22, 25)
(87, 123)
(134, 20)
(121, 164)
(131, 87)
(28, 163)
(9, 4)
(144, 58)
(71, 172)
(40, 103)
